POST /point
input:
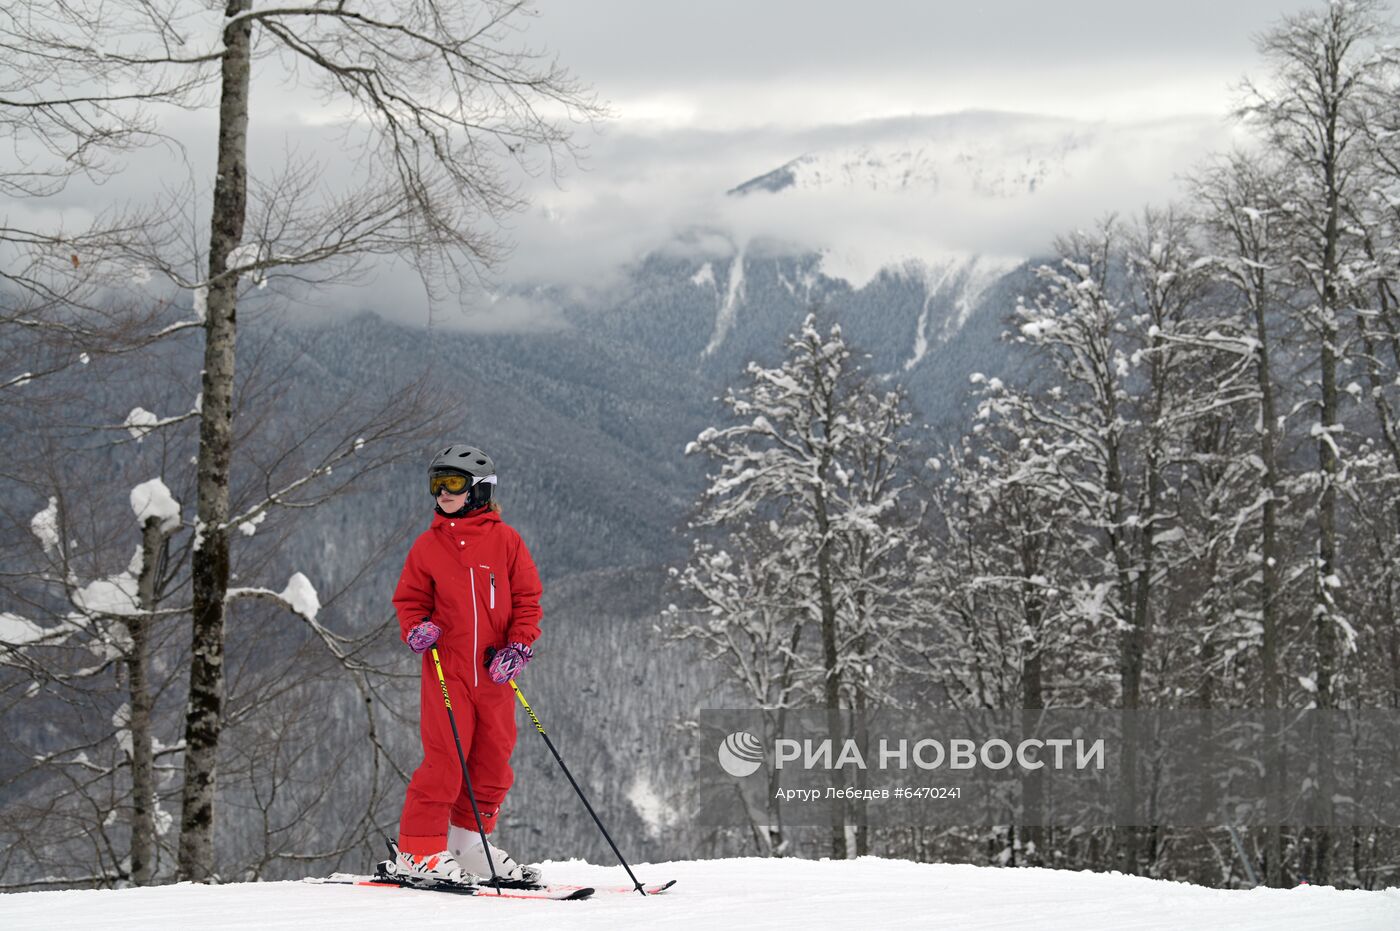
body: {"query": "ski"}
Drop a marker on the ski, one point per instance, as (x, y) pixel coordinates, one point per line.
(656, 889)
(555, 891)
(512, 891)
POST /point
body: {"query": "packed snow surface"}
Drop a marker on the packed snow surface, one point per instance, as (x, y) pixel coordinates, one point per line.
(733, 894)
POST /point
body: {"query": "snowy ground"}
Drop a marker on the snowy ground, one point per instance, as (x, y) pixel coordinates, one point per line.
(731, 894)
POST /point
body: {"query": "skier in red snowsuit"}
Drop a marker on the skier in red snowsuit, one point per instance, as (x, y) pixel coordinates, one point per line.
(468, 587)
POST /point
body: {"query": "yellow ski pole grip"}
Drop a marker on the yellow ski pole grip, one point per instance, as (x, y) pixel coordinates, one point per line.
(442, 681)
(528, 710)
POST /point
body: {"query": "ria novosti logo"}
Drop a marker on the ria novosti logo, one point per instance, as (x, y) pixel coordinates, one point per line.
(740, 754)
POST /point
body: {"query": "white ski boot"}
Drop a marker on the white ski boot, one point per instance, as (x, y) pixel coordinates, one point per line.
(439, 868)
(465, 845)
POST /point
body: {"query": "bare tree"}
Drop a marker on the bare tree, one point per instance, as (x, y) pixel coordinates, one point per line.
(1241, 222)
(90, 803)
(442, 95)
(813, 455)
(1328, 70)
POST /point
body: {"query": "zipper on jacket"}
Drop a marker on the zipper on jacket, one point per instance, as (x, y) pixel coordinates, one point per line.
(471, 574)
(493, 591)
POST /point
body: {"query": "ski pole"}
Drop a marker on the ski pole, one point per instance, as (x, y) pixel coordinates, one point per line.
(549, 743)
(461, 758)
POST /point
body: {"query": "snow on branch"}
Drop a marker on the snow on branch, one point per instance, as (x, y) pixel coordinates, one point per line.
(16, 632)
(140, 422)
(299, 597)
(153, 499)
(44, 526)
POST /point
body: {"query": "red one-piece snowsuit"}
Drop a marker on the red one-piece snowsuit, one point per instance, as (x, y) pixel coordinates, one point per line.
(475, 579)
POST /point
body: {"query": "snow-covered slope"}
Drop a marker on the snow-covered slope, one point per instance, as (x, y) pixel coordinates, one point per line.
(734, 894)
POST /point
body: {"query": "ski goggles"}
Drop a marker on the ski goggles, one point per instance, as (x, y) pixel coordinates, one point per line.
(454, 483)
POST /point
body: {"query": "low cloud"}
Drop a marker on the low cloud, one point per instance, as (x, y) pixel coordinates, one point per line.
(648, 188)
(751, 88)
(643, 193)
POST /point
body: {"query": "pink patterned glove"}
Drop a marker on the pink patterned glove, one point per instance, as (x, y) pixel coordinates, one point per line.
(423, 635)
(507, 663)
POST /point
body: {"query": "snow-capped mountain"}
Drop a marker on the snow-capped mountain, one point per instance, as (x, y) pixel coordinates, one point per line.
(904, 228)
(1014, 163)
(924, 302)
(908, 230)
(705, 316)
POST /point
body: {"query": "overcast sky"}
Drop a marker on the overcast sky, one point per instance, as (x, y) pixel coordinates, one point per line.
(708, 95)
(724, 64)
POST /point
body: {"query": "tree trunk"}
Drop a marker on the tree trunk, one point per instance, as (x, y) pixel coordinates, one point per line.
(862, 738)
(1269, 590)
(143, 782)
(1130, 657)
(823, 412)
(1324, 632)
(1032, 701)
(210, 561)
(832, 678)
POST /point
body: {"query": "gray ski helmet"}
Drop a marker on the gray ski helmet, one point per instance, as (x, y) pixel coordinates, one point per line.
(470, 461)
